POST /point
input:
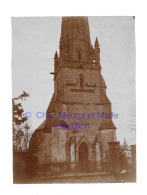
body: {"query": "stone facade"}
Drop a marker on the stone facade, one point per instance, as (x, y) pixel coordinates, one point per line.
(78, 88)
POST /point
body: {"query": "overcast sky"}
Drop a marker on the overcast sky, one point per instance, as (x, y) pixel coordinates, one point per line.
(34, 42)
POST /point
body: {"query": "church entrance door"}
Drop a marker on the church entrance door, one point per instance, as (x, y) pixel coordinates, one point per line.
(83, 157)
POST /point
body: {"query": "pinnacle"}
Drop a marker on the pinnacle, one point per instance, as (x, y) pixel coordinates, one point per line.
(96, 42)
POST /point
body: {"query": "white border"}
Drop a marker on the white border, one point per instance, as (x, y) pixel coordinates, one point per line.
(15, 8)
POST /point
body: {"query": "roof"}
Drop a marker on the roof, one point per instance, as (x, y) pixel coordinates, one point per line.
(51, 107)
(42, 125)
(107, 124)
(104, 99)
(48, 123)
(103, 82)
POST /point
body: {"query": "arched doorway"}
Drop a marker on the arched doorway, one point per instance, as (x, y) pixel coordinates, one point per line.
(83, 157)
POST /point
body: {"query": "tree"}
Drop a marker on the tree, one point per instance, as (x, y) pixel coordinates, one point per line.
(27, 135)
(21, 127)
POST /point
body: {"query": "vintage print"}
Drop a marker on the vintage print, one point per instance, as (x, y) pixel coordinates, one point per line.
(74, 107)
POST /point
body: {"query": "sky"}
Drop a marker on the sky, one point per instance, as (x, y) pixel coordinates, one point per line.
(34, 42)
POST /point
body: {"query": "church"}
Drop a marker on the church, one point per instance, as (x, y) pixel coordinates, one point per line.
(79, 88)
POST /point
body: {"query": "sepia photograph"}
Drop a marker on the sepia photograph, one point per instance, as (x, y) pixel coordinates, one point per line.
(73, 99)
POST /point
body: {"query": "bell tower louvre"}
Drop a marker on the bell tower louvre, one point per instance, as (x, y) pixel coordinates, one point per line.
(79, 91)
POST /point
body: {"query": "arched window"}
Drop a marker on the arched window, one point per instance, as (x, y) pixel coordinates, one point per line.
(79, 55)
(72, 152)
(97, 149)
(57, 85)
(81, 81)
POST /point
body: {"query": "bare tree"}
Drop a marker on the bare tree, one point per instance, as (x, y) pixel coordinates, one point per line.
(21, 127)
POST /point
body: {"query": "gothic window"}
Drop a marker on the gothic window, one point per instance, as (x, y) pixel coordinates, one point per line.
(79, 55)
(72, 152)
(57, 85)
(68, 45)
(98, 156)
(81, 81)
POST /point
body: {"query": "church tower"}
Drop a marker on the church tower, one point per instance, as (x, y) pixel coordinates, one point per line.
(79, 90)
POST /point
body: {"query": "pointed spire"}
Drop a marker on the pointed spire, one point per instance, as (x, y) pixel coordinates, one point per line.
(56, 55)
(96, 43)
(124, 140)
(56, 61)
(77, 31)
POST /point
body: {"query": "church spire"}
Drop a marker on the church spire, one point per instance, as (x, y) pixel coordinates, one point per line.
(75, 39)
(97, 53)
(56, 55)
(96, 43)
(56, 61)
